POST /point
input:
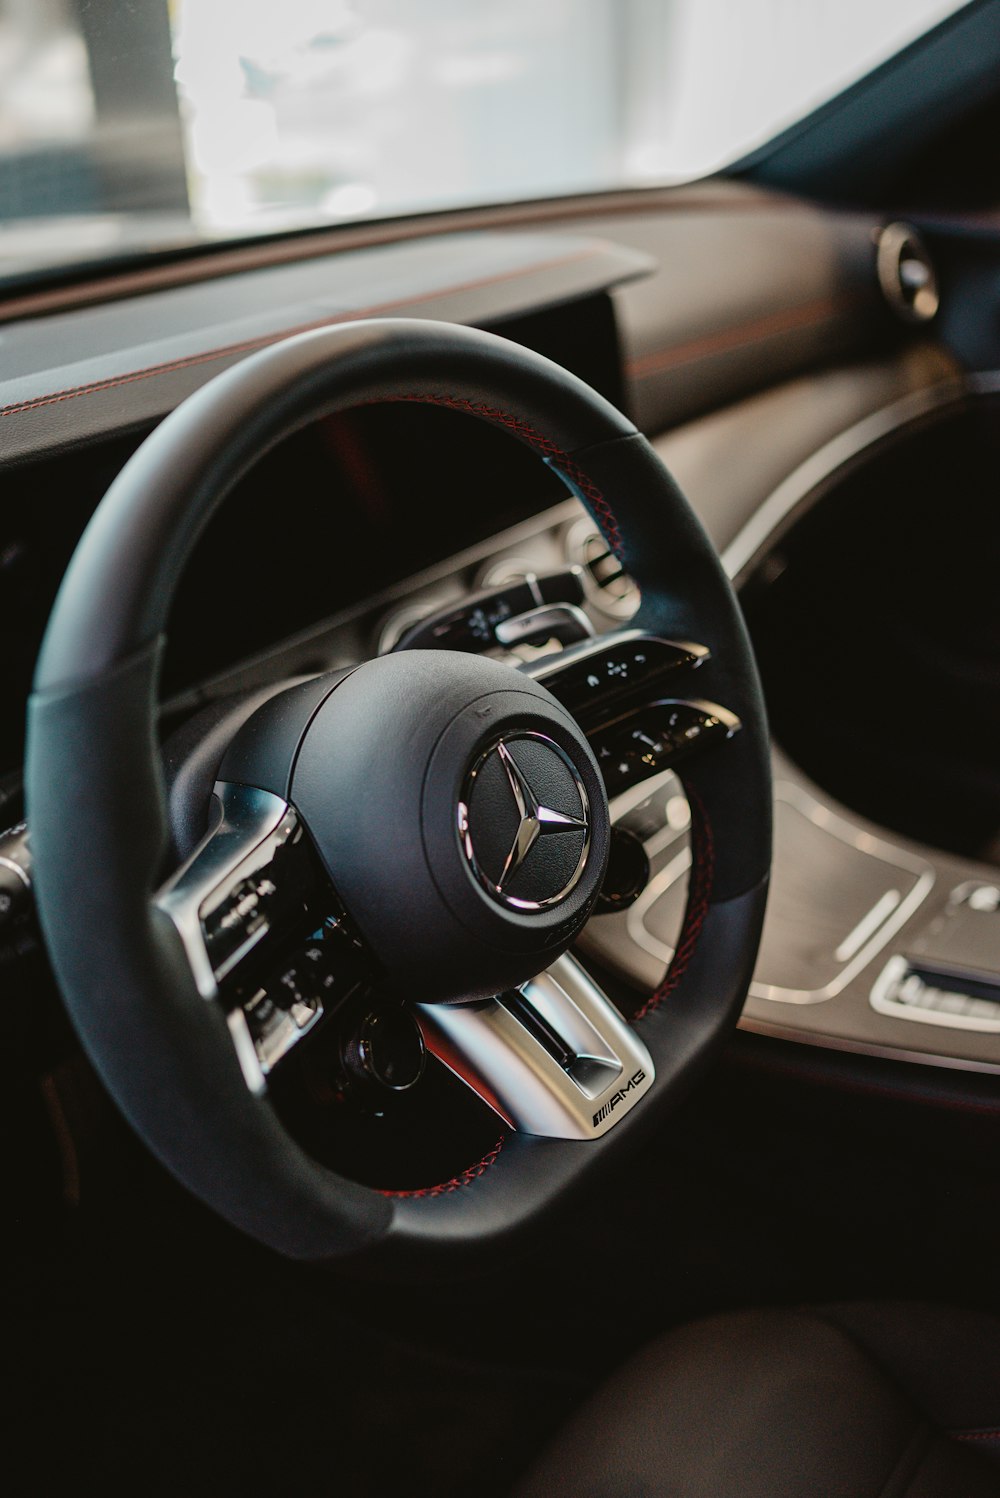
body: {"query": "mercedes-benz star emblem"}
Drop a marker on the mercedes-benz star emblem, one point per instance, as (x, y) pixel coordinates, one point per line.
(499, 838)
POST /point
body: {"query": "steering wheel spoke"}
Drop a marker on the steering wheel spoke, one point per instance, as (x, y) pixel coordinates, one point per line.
(553, 1058)
(263, 929)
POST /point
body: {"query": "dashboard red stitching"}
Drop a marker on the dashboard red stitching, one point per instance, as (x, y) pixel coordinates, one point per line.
(457, 1182)
(543, 445)
(745, 335)
(976, 1435)
(699, 894)
(171, 366)
(263, 340)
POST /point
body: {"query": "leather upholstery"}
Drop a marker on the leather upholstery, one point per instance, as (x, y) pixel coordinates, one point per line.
(842, 1403)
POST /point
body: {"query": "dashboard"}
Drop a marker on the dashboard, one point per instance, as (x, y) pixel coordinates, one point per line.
(748, 336)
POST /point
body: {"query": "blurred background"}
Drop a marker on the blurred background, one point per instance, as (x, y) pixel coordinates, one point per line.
(149, 123)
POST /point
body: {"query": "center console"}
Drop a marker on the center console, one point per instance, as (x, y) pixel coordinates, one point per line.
(872, 943)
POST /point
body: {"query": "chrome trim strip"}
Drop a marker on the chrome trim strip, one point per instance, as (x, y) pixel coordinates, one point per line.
(22, 874)
(867, 926)
(882, 1002)
(820, 816)
(821, 465)
(545, 616)
(866, 1048)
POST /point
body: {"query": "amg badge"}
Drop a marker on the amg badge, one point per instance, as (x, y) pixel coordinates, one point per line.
(617, 1097)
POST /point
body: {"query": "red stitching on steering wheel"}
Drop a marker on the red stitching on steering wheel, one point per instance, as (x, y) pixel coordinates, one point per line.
(699, 894)
(543, 445)
(457, 1182)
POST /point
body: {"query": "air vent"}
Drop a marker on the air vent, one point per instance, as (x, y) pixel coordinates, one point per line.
(906, 273)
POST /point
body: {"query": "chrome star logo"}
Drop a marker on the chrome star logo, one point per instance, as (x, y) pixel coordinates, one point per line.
(535, 820)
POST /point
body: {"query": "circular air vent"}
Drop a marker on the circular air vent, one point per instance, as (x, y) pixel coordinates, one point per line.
(906, 273)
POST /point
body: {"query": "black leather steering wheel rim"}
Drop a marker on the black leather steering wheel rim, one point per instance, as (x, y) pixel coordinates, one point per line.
(94, 785)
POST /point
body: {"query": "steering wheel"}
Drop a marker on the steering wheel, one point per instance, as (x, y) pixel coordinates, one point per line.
(435, 823)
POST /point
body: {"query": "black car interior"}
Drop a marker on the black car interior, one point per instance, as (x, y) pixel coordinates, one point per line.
(500, 903)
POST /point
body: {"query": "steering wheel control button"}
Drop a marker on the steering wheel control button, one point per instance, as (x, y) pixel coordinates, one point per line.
(243, 910)
(275, 1029)
(589, 678)
(222, 901)
(317, 979)
(657, 737)
(252, 889)
(524, 822)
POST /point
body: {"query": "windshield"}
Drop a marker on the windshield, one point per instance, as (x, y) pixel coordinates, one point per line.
(139, 125)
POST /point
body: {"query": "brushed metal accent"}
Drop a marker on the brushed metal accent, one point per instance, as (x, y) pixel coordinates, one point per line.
(837, 827)
(487, 1045)
(867, 926)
